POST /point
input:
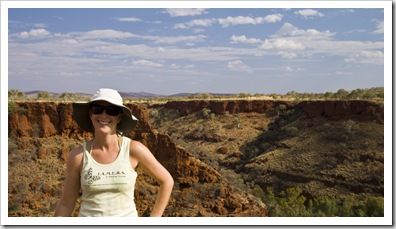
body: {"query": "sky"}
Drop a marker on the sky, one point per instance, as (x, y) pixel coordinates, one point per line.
(251, 49)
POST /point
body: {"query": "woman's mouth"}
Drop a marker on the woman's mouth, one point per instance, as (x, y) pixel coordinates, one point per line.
(103, 122)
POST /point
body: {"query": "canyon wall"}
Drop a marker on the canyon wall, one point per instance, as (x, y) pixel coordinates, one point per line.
(331, 109)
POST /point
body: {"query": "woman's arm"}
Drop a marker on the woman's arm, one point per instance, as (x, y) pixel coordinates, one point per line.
(71, 188)
(150, 164)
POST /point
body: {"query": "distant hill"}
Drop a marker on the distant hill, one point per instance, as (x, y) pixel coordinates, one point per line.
(151, 95)
(123, 94)
(200, 94)
(139, 95)
(53, 94)
(132, 94)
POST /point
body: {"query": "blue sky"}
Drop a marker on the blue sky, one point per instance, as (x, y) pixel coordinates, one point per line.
(176, 50)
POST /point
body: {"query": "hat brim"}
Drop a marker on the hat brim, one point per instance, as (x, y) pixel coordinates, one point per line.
(81, 115)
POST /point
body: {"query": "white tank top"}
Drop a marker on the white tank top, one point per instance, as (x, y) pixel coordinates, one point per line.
(108, 189)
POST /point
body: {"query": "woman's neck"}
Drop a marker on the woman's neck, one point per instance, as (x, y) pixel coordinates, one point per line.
(106, 141)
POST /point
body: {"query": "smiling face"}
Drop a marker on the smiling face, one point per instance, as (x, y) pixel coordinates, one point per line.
(103, 120)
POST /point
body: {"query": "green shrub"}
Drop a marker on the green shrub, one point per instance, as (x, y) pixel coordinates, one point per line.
(233, 178)
(325, 206)
(205, 112)
(12, 106)
(12, 146)
(348, 125)
(292, 203)
(257, 191)
(291, 131)
(375, 206)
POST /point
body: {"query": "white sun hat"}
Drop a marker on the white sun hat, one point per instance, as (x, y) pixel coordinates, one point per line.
(81, 111)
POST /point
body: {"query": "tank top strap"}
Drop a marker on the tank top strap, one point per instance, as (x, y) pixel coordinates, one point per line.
(84, 145)
(85, 152)
(125, 147)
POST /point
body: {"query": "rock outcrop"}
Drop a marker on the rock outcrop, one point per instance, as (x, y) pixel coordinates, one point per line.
(332, 109)
(342, 109)
(225, 106)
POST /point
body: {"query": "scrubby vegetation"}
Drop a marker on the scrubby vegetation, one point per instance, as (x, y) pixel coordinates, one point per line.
(292, 203)
(36, 167)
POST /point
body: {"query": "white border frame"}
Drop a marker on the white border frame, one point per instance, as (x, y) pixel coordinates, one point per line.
(201, 221)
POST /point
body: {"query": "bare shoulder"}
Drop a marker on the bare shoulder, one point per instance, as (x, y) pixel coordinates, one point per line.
(137, 148)
(76, 152)
(75, 157)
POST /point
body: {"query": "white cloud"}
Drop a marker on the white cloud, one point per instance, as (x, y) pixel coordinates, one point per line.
(291, 69)
(288, 29)
(287, 55)
(128, 19)
(273, 18)
(229, 21)
(282, 44)
(198, 30)
(69, 41)
(240, 20)
(309, 13)
(174, 66)
(239, 66)
(146, 63)
(380, 26)
(367, 57)
(173, 40)
(288, 69)
(165, 53)
(189, 66)
(68, 74)
(340, 73)
(244, 39)
(40, 25)
(290, 42)
(34, 33)
(107, 34)
(196, 22)
(184, 12)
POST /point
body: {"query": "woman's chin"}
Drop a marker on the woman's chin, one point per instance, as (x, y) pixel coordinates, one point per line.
(104, 129)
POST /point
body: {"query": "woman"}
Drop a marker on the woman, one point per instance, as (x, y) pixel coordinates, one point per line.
(104, 167)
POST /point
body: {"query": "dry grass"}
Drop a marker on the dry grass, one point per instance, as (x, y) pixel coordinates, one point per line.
(35, 175)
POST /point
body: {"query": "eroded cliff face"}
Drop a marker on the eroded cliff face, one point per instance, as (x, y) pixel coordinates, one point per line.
(334, 110)
(225, 106)
(341, 109)
(46, 119)
(199, 189)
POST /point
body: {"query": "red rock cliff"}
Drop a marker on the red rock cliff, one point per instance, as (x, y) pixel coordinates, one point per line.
(336, 109)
